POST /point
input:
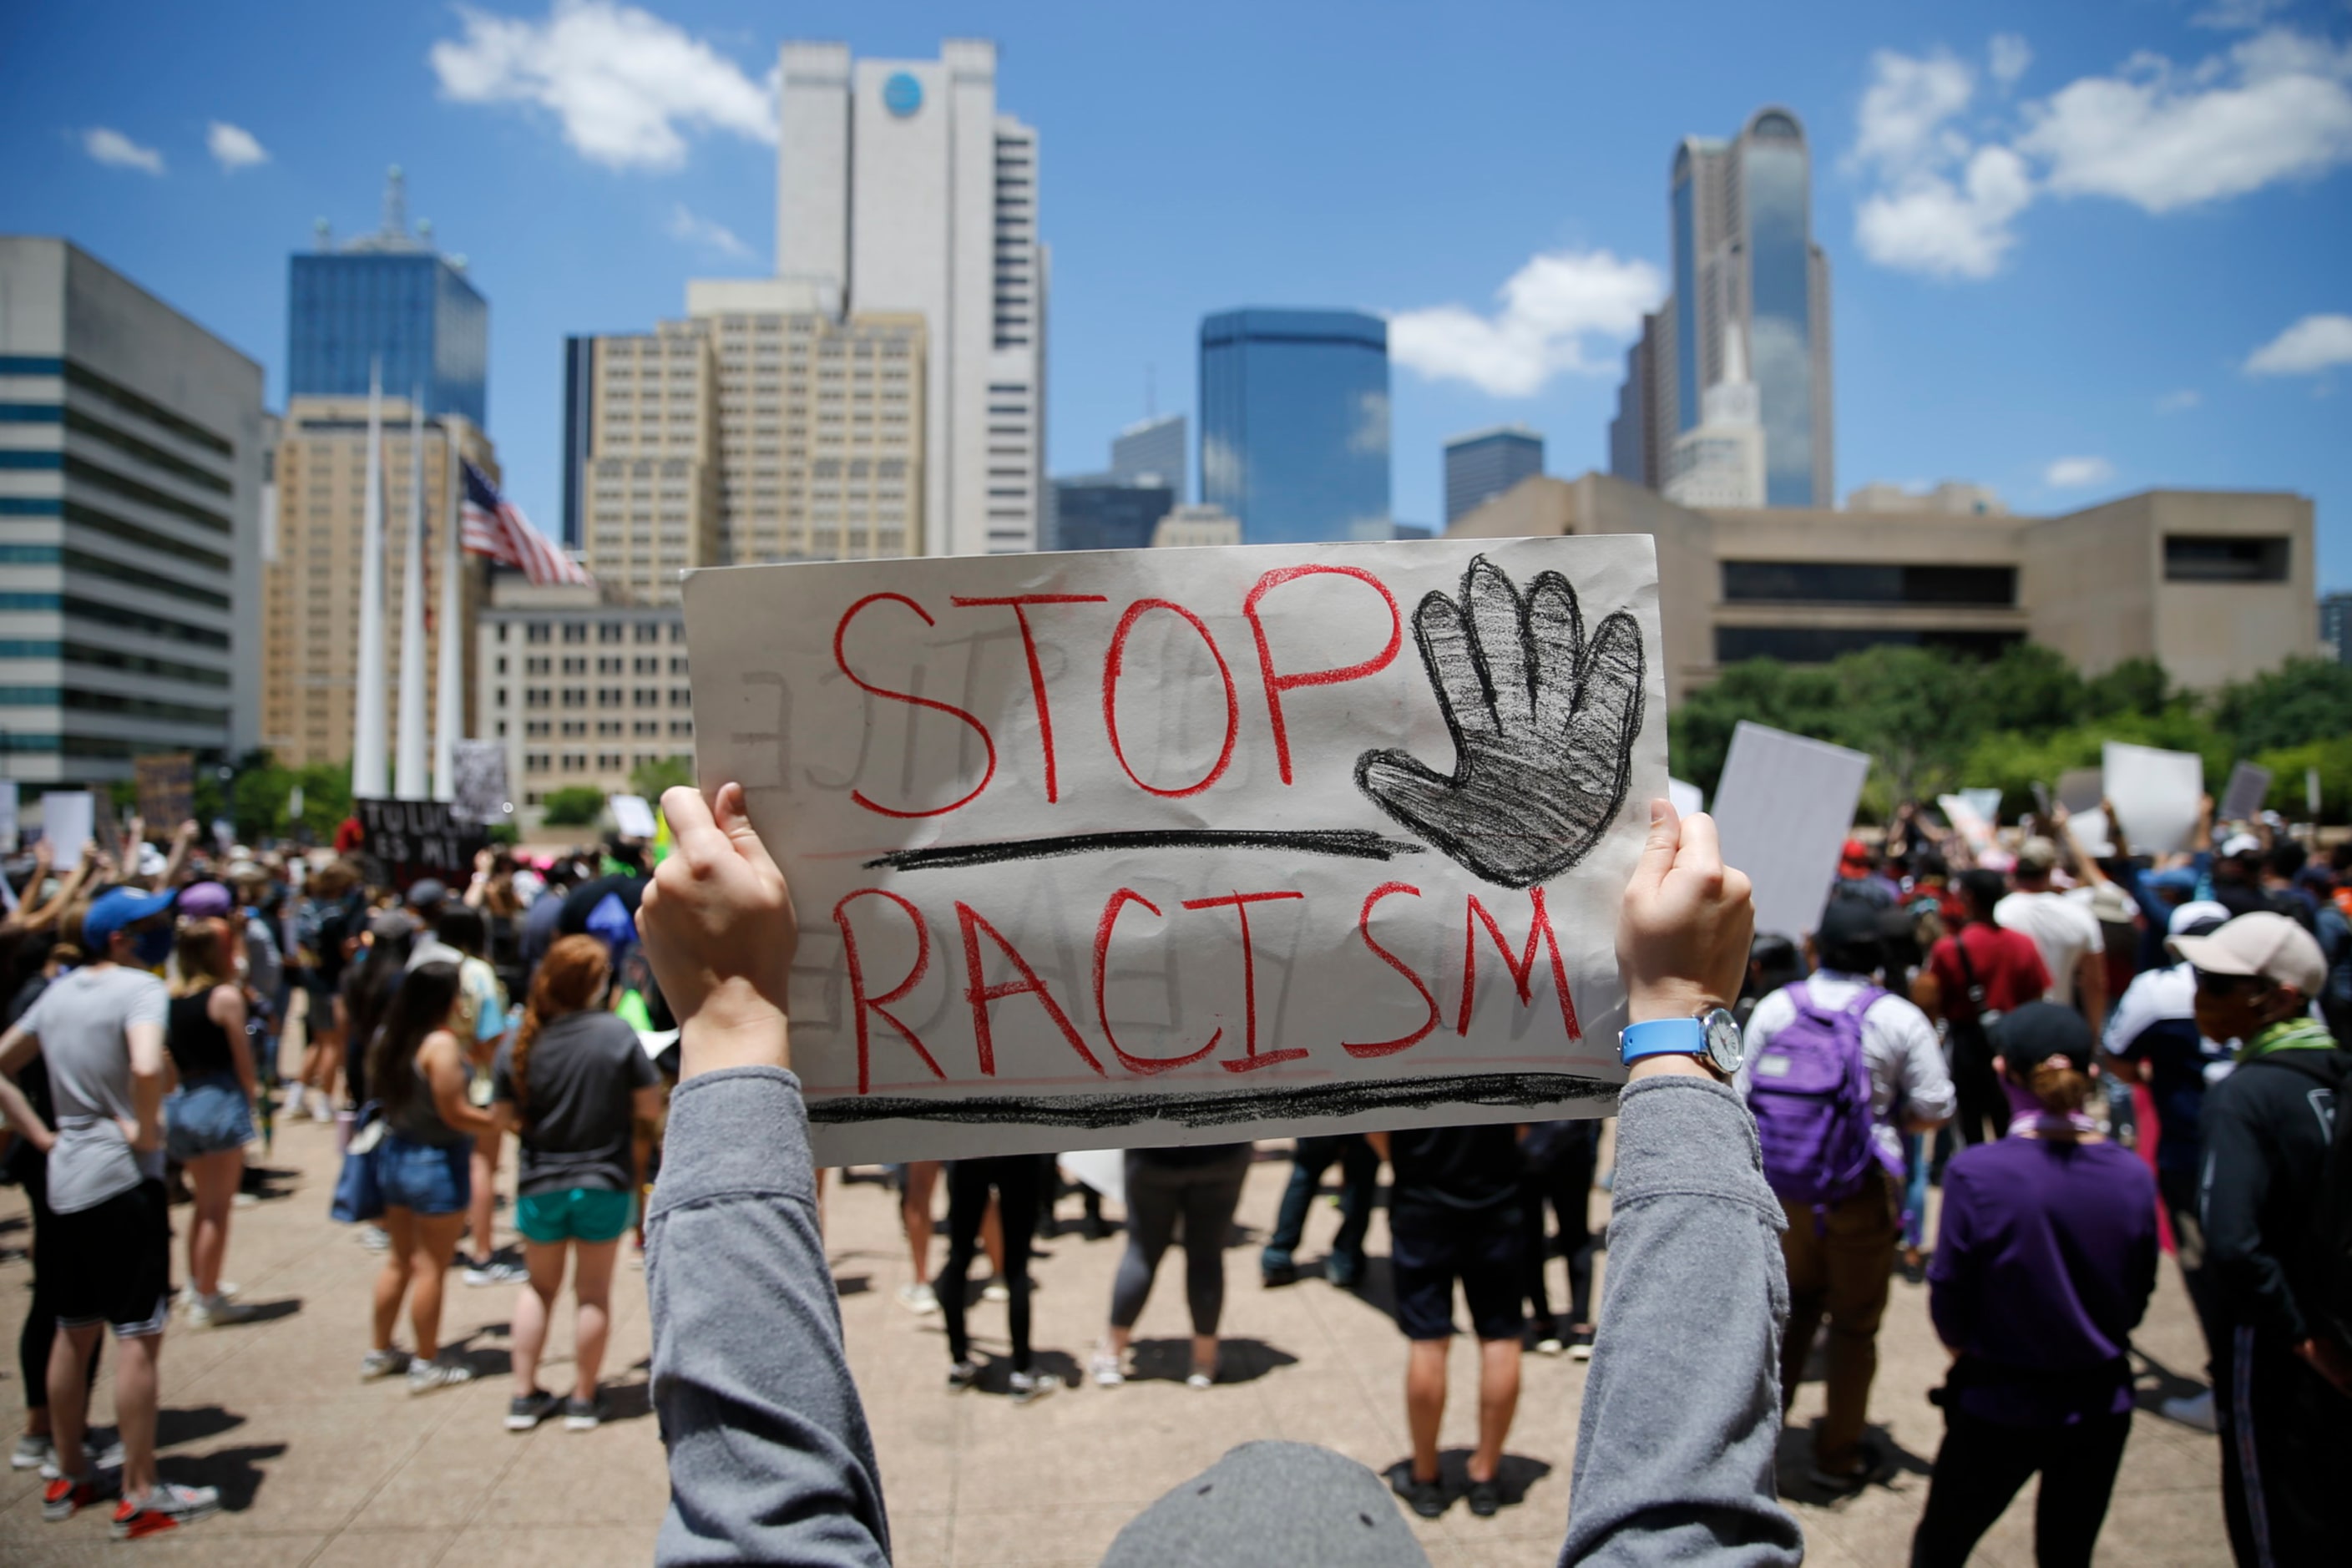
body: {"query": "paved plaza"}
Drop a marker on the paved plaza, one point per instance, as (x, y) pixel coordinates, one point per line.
(318, 1468)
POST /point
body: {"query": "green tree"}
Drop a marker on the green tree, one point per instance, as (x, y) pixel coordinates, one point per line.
(2135, 686)
(1802, 700)
(2302, 701)
(574, 805)
(1906, 707)
(2030, 687)
(650, 777)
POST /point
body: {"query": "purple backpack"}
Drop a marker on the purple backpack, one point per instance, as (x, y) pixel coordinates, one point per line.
(1809, 1090)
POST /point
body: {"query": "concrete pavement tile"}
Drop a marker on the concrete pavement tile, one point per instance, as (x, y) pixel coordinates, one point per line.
(545, 1546)
(2163, 1457)
(615, 1475)
(1034, 1535)
(460, 1463)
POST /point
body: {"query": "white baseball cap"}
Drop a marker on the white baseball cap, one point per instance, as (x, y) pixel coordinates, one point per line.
(2272, 946)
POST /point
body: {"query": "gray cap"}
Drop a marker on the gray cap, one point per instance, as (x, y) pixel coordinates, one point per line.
(1279, 1505)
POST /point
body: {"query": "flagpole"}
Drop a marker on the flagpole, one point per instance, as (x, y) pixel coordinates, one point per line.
(450, 715)
(408, 764)
(368, 681)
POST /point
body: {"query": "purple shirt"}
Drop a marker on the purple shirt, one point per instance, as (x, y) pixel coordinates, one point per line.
(2044, 1262)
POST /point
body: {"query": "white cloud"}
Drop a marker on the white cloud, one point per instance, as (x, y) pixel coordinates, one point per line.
(117, 151)
(2179, 401)
(2236, 15)
(1949, 186)
(2007, 56)
(2313, 344)
(233, 147)
(2076, 473)
(708, 233)
(1551, 309)
(625, 84)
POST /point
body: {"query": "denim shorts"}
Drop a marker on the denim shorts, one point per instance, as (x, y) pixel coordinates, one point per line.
(574, 1213)
(424, 1178)
(206, 1115)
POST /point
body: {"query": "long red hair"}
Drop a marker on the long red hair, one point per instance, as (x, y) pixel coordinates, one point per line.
(569, 977)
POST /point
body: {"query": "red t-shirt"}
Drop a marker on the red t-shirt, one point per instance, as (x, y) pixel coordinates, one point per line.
(2006, 964)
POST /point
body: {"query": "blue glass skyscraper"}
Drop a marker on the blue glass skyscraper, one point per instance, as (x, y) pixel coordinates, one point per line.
(389, 298)
(1295, 423)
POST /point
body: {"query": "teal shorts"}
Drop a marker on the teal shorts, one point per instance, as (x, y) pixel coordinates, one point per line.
(576, 1214)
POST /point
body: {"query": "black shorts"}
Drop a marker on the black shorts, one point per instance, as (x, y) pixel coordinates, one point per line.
(114, 1263)
(1488, 1258)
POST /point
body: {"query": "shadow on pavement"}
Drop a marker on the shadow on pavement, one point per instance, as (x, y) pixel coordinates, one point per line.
(194, 1425)
(235, 1471)
(1238, 1360)
(1515, 1474)
(2156, 1383)
(1794, 1463)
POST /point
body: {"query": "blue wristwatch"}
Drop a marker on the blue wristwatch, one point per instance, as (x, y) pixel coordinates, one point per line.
(1712, 1036)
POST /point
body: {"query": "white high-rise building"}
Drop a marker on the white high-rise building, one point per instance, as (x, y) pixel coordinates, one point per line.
(1720, 462)
(900, 189)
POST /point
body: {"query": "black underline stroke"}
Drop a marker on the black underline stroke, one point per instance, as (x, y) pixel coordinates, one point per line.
(1216, 1109)
(1347, 843)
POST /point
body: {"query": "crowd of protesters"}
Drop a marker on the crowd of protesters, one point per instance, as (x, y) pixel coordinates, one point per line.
(2097, 1056)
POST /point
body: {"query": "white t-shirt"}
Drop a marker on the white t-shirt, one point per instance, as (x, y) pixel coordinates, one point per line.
(1900, 1044)
(2062, 928)
(82, 1021)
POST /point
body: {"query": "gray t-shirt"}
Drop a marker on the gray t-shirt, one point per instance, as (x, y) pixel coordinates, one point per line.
(82, 1021)
(579, 1082)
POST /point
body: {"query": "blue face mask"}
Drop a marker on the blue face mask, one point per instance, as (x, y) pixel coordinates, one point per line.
(151, 946)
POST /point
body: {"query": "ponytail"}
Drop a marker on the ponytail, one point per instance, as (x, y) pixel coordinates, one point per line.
(569, 977)
(2061, 1087)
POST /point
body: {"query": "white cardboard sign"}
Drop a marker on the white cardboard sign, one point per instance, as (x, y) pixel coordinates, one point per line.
(632, 817)
(2156, 794)
(68, 821)
(2249, 786)
(1150, 847)
(1784, 806)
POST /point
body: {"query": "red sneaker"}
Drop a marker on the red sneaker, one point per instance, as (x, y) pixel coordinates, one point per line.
(63, 1498)
(167, 1507)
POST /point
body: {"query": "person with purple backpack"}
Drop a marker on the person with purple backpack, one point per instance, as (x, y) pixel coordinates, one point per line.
(1837, 1070)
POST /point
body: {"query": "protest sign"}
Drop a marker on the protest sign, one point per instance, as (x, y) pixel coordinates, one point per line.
(2081, 789)
(1104, 1170)
(68, 821)
(167, 789)
(1987, 802)
(1164, 846)
(1784, 806)
(1688, 801)
(2243, 800)
(2091, 832)
(8, 817)
(479, 781)
(2311, 792)
(1971, 825)
(413, 839)
(631, 818)
(2157, 795)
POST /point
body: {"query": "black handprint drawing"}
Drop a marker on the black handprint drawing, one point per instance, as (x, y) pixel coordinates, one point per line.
(1543, 722)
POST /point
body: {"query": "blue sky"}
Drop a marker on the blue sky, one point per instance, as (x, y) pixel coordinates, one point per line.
(2078, 251)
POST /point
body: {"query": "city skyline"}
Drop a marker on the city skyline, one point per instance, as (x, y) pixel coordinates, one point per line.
(2067, 349)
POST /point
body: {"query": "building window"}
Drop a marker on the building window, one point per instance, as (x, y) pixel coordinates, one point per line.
(2224, 558)
(575, 632)
(610, 631)
(1850, 583)
(1821, 645)
(537, 631)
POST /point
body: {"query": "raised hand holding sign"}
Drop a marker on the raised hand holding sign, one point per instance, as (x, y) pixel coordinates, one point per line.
(1543, 723)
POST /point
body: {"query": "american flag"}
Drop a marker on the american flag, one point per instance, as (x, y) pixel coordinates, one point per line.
(494, 526)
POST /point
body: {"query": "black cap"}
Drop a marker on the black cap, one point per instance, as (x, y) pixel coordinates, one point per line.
(1848, 922)
(2039, 1030)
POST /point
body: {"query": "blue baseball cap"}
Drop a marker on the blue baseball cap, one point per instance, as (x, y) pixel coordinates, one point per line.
(2172, 879)
(118, 909)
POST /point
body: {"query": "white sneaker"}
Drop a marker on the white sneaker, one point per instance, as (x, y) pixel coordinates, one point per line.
(383, 1363)
(374, 1238)
(995, 1290)
(1103, 1367)
(425, 1376)
(2195, 1410)
(212, 1312)
(918, 1299)
(1031, 1386)
(32, 1453)
(100, 1457)
(1201, 1381)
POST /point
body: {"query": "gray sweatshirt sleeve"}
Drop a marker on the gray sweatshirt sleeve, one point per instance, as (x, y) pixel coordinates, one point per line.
(1682, 1408)
(770, 1459)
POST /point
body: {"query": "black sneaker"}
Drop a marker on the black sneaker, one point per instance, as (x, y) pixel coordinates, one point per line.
(1426, 1498)
(1486, 1497)
(583, 1415)
(962, 1375)
(526, 1410)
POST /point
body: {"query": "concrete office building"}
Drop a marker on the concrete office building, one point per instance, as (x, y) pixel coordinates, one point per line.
(131, 473)
(1295, 423)
(388, 299)
(901, 190)
(1952, 498)
(311, 594)
(759, 427)
(2215, 585)
(1151, 452)
(1192, 525)
(579, 688)
(1745, 264)
(1483, 464)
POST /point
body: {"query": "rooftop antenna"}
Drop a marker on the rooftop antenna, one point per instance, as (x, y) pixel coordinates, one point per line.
(395, 202)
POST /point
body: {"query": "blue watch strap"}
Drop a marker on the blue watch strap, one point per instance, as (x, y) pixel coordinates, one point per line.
(1661, 1037)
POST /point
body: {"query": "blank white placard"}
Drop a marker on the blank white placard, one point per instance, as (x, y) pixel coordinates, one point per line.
(1784, 807)
(2156, 794)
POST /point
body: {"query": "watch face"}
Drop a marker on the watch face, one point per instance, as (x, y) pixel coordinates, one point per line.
(1726, 1047)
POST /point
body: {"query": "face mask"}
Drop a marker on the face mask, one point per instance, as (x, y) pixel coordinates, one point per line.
(153, 946)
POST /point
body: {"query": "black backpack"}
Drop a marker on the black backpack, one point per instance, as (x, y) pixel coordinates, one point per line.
(2331, 1229)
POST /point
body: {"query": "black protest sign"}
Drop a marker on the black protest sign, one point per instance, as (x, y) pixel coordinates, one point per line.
(414, 840)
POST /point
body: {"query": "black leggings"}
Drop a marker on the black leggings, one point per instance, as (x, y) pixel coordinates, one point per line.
(1015, 1179)
(1568, 1188)
(40, 1333)
(1981, 1468)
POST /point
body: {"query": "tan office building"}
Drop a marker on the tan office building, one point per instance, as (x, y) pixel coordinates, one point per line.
(2217, 585)
(760, 427)
(310, 573)
(579, 687)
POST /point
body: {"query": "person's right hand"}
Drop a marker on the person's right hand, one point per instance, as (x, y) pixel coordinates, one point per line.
(1683, 930)
(719, 927)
